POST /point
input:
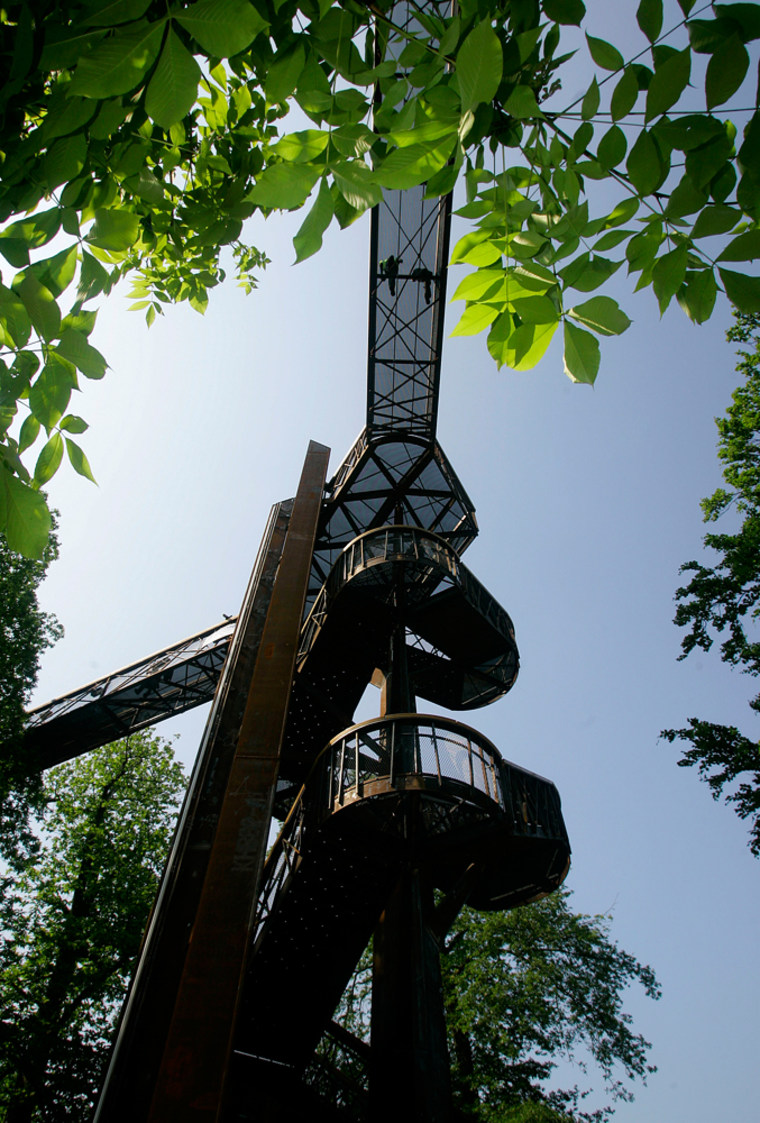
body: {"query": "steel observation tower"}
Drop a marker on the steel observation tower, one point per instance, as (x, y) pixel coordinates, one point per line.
(389, 826)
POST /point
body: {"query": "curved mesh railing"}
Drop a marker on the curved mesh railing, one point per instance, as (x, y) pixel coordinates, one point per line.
(436, 753)
(431, 561)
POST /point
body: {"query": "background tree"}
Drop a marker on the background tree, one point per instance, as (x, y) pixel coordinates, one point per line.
(140, 136)
(525, 990)
(25, 633)
(724, 599)
(71, 923)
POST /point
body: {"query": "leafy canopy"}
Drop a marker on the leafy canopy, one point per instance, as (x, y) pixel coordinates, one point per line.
(723, 599)
(523, 991)
(72, 919)
(137, 137)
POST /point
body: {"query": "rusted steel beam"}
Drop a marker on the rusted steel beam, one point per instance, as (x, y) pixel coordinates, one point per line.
(147, 1012)
(191, 1080)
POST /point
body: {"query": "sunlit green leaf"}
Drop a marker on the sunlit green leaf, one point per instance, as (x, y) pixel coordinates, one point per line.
(50, 392)
(285, 186)
(73, 424)
(74, 347)
(15, 323)
(78, 460)
(24, 516)
(40, 304)
(309, 238)
(119, 63)
(407, 167)
(581, 354)
(64, 160)
(174, 84)
(602, 314)
(479, 65)
(49, 459)
(222, 27)
(475, 318)
(535, 309)
(697, 295)
(604, 54)
(113, 230)
(303, 147)
(29, 432)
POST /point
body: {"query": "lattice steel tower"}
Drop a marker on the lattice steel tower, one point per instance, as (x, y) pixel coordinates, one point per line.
(389, 826)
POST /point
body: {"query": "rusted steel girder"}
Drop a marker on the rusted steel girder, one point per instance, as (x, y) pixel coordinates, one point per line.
(190, 1083)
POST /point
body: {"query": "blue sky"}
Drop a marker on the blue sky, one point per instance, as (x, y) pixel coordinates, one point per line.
(587, 501)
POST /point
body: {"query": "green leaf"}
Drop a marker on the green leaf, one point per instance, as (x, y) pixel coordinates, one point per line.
(408, 167)
(29, 432)
(475, 318)
(745, 14)
(119, 63)
(24, 516)
(15, 324)
(49, 459)
(726, 71)
(668, 83)
(535, 309)
(697, 295)
(78, 460)
(668, 275)
(56, 273)
(602, 314)
(479, 64)
(581, 354)
(285, 187)
(40, 304)
(568, 12)
(625, 94)
(64, 160)
(50, 392)
(715, 220)
(742, 291)
(590, 102)
(746, 247)
(116, 12)
(73, 424)
(173, 88)
(643, 164)
(649, 18)
(284, 71)
(519, 347)
(113, 230)
(612, 147)
(223, 28)
(74, 347)
(604, 54)
(93, 277)
(309, 238)
(303, 147)
(522, 103)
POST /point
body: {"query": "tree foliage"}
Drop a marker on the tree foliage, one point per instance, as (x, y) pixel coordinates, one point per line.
(25, 632)
(72, 920)
(525, 990)
(724, 599)
(137, 137)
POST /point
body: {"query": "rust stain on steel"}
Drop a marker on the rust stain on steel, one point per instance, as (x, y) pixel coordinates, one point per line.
(191, 1081)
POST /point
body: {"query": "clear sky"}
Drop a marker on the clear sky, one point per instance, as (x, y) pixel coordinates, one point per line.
(588, 502)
